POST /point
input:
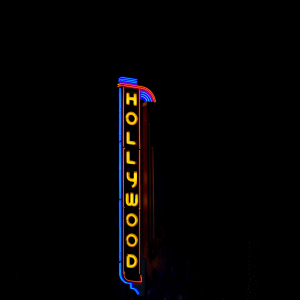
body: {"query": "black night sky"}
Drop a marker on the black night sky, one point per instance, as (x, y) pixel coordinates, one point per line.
(215, 141)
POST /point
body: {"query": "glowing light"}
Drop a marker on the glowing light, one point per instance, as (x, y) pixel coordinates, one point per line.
(128, 161)
(141, 88)
(128, 80)
(120, 198)
(131, 113)
(134, 179)
(133, 199)
(145, 96)
(135, 219)
(120, 253)
(133, 98)
(128, 265)
(128, 141)
(135, 240)
(120, 115)
(131, 202)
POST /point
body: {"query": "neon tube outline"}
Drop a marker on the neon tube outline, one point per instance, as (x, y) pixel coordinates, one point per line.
(121, 184)
(128, 80)
(123, 101)
(146, 95)
(142, 88)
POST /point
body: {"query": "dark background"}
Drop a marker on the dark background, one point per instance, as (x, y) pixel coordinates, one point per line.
(216, 135)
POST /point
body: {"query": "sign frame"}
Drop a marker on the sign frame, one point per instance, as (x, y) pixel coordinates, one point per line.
(126, 87)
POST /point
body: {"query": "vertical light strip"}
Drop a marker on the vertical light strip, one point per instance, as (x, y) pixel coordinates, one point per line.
(140, 198)
(149, 186)
(120, 116)
(153, 232)
(120, 170)
(123, 215)
(123, 117)
(120, 180)
(123, 181)
(120, 234)
(140, 211)
(120, 145)
(139, 120)
(123, 89)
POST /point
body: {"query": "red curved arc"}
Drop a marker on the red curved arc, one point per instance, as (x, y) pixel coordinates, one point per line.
(135, 86)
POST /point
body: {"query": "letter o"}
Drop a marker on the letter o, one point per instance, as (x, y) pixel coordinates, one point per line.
(131, 113)
(127, 220)
(135, 240)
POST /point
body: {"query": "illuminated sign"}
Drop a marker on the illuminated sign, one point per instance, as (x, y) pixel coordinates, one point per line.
(130, 195)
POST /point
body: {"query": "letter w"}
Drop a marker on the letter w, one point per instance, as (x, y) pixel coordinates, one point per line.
(131, 202)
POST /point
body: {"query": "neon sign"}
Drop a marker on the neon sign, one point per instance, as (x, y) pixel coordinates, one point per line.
(130, 96)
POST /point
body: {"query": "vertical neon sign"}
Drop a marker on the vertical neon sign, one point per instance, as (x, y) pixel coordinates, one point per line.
(130, 196)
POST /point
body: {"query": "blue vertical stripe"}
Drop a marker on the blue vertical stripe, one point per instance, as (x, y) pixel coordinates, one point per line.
(120, 114)
(120, 144)
(120, 170)
(120, 231)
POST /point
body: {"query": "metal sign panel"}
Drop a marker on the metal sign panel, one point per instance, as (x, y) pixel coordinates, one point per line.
(130, 179)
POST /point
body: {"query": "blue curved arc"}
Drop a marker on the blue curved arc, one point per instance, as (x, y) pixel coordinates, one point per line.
(145, 96)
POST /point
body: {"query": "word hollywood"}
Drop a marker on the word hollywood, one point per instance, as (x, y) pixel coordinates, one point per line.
(130, 96)
(133, 199)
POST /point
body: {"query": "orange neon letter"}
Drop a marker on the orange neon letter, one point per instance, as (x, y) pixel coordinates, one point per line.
(131, 202)
(128, 141)
(134, 99)
(135, 219)
(135, 240)
(128, 161)
(131, 113)
(134, 179)
(128, 265)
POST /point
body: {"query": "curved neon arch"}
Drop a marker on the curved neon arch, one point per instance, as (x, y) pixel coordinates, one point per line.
(146, 94)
